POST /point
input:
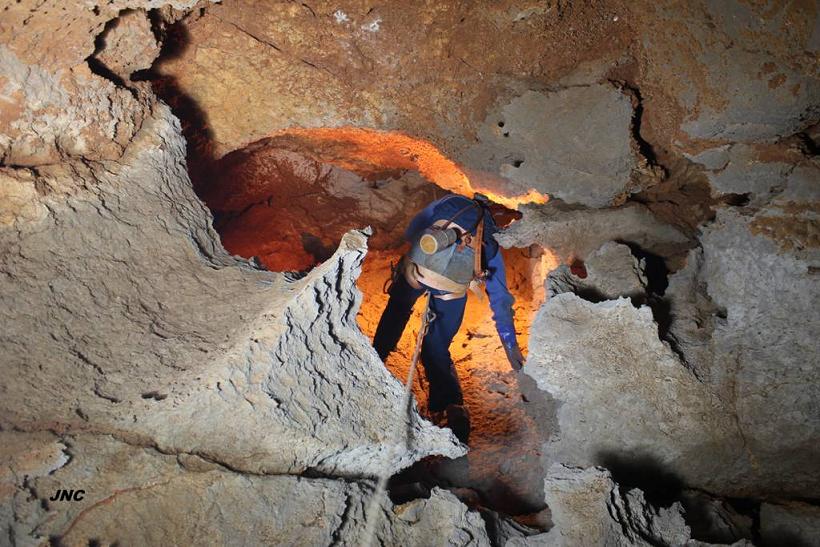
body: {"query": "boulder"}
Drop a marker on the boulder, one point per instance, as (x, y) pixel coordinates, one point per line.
(611, 272)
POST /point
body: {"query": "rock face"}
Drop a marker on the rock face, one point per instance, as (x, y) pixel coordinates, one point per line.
(626, 400)
(746, 311)
(197, 398)
(590, 509)
(759, 172)
(572, 232)
(138, 495)
(291, 211)
(795, 523)
(526, 141)
(188, 351)
(611, 272)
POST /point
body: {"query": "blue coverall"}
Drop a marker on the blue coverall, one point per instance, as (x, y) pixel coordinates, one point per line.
(435, 352)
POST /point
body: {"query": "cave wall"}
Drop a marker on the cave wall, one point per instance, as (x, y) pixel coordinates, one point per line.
(144, 362)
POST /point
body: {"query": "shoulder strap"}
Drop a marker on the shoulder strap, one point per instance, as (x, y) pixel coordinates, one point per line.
(478, 245)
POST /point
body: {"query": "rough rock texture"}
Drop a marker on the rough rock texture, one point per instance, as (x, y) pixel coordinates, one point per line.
(54, 106)
(705, 70)
(743, 315)
(128, 44)
(626, 400)
(574, 144)
(260, 354)
(149, 332)
(142, 362)
(137, 495)
(790, 524)
(758, 171)
(611, 272)
(590, 509)
(291, 211)
(572, 232)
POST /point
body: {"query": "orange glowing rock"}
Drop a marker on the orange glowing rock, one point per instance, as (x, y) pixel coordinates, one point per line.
(372, 152)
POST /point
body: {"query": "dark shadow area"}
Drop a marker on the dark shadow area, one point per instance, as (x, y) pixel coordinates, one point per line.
(96, 66)
(661, 487)
(194, 121)
(737, 200)
(720, 520)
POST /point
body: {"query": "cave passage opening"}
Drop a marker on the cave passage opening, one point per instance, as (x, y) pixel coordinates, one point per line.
(288, 199)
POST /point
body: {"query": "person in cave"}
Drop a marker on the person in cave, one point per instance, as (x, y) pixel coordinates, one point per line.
(452, 250)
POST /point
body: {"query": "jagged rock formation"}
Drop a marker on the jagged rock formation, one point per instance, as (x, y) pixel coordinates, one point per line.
(590, 509)
(609, 272)
(625, 397)
(138, 496)
(184, 387)
(572, 232)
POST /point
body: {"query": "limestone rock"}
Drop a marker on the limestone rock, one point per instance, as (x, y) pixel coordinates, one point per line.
(128, 44)
(54, 105)
(572, 232)
(611, 272)
(590, 509)
(149, 330)
(246, 190)
(760, 172)
(136, 495)
(625, 399)
(743, 316)
(790, 524)
(709, 57)
(574, 144)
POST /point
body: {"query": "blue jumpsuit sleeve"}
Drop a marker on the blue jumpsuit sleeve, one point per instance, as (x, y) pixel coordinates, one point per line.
(501, 300)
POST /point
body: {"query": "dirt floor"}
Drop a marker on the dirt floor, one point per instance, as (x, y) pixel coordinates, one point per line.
(510, 418)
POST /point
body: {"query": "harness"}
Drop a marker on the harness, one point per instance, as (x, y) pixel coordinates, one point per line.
(453, 269)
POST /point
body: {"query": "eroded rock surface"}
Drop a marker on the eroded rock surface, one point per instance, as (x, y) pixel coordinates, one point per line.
(527, 141)
(137, 495)
(624, 396)
(610, 272)
(590, 509)
(164, 340)
(743, 316)
(573, 232)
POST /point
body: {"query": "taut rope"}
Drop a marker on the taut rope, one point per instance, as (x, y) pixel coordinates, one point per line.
(372, 513)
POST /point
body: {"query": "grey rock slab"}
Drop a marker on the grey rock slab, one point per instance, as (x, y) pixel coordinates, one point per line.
(745, 317)
(122, 314)
(574, 144)
(626, 399)
(745, 169)
(611, 271)
(790, 524)
(575, 232)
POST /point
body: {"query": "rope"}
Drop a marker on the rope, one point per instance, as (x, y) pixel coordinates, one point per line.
(372, 513)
